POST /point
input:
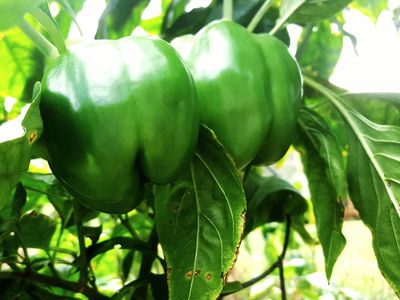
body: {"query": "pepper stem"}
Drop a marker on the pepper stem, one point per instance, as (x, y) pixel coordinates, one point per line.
(38, 39)
(228, 10)
(259, 15)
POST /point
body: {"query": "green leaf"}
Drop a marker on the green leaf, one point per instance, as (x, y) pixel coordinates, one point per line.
(373, 171)
(316, 10)
(325, 171)
(11, 213)
(175, 9)
(21, 65)
(120, 18)
(15, 153)
(12, 12)
(36, 230)
(374, 181)
(377, 107)
(371, 8)
(322, 51)
(200, 220)
(270, 199)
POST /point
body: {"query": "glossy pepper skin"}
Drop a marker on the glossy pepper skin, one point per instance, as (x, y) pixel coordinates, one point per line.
(249, 88)
(117, 113)
(232, 83)
(286, 92)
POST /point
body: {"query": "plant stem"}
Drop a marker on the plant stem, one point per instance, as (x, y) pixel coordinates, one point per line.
(83, 274)
(52, 28)
(228, 10)
(147, 261)
(282, 280)
(38, 39)
(24, 249)
(259, 15)
(55, 282)
(282, 20)
(125, 221)
(275, 264)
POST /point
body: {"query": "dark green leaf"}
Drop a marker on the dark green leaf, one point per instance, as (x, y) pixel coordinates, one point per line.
(92, 233)
(200, 220)
(15, 153)
(12, 12)
(37, 230)
(270, 199)
(324, 168)
(11, 213)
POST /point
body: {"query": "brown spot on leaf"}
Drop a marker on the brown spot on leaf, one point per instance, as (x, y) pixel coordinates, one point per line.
(209, 276)
(168, 274)
(197, 272)
(189, 274)
(32, 137)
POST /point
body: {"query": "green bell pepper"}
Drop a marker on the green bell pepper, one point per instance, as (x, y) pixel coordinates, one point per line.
(117, 113)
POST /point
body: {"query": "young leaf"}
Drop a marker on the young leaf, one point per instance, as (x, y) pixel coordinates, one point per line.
(37, 230)
(12, 12)
(15, 153)
(374, 181)
(324, 168)
(200, 222)
(270, 199)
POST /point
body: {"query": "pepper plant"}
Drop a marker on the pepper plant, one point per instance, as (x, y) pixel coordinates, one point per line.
(132, 167)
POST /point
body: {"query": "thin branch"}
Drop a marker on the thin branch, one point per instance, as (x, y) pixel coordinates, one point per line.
(55, 282)
(275, 264)
(125, 221)
(282, 280)
(83, 274)
(259, 15)
(38, 39)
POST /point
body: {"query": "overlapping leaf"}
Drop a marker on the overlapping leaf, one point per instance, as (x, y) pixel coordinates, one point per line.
(200, 222)
(324, 167)
(374, 181)
(15, 153)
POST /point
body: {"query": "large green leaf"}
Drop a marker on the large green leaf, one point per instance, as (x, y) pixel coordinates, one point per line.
(270, 199)
(12, 11)
(325, 171)
(21, 65)
(200, 220)
(15, 153)
(374, 181)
